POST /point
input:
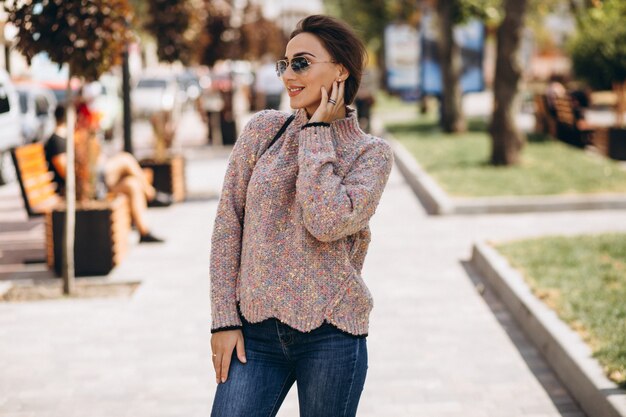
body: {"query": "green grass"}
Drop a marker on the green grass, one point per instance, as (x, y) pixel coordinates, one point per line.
(583, 279)
(459, 163)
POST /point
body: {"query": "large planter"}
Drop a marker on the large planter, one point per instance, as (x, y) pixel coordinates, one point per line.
(101, 238)
(617, 143)
(611, 142)
(168, 175)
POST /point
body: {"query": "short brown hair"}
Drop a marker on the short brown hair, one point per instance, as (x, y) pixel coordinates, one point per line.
(342, 43)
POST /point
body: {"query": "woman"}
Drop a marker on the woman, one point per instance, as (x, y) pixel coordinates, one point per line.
(119, 174)
(290, 237)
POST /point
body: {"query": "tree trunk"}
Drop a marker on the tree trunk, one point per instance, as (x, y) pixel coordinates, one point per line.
(507, 141)
(620, 107)
(452, 119)
(382, 65)
(70, 195)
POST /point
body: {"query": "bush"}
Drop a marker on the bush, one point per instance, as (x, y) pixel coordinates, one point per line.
(599, 49)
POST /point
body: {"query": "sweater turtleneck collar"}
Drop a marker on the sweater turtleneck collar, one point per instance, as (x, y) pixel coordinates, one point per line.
(347, 127)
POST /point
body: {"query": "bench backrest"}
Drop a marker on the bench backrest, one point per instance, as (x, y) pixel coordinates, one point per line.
(36, 181)
(541, 107)
(564, 110)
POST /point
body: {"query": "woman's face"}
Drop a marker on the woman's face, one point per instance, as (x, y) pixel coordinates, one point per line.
(304, 88)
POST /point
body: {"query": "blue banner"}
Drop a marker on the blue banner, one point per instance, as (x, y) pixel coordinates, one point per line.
(471, 39)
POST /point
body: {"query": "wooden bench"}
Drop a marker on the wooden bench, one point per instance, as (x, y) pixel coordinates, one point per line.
(102, 227)
(570, 129)
(544, 120)
(36, 181)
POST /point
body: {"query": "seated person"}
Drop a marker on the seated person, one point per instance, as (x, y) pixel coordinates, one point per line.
(581, 100)
(554, 89)
(121, 174)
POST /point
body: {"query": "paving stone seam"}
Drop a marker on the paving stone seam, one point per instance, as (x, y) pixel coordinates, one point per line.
(565, 351)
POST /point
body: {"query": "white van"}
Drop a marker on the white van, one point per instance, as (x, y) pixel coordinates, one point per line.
(10, 128)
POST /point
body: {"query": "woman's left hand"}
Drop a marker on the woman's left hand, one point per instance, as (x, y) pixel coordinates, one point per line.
(330, 108)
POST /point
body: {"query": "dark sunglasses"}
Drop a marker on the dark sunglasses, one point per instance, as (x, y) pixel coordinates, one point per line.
(298, 64)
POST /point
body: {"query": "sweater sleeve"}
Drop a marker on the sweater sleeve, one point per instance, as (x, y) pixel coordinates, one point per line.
(228, 229)
(334, 207)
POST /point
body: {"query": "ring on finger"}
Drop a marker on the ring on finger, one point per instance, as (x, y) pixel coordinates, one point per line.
(333, 102)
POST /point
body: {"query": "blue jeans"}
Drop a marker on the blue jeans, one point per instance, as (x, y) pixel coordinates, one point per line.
(328, 365)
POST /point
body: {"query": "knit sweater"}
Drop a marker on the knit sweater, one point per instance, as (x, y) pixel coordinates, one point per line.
(291, 230)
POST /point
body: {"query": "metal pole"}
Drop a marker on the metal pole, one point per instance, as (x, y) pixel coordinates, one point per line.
(128, 142)
(7, 57)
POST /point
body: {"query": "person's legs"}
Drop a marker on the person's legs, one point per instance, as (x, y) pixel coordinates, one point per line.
(258, 387)
(133, 189)
(123, 165)
(331, 367)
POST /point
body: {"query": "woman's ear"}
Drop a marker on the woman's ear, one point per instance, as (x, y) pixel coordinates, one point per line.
(342, 73)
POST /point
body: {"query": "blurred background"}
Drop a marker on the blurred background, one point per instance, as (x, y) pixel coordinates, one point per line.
(214, 57)
(507, 114)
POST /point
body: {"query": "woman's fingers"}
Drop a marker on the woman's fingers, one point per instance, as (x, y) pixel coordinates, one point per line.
(341, 88)
(334, 93)
(324, 96)
(225, 367)
(217, 365)
(223, 344)
(241, 351)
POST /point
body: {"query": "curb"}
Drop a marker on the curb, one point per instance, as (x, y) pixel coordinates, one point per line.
(565, 351)
(437, 201)
(432, 196)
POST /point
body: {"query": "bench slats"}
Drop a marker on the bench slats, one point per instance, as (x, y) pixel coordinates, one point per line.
(44, 197)
(33, 166)
(36, 182)
(564, 111)
(33, 150)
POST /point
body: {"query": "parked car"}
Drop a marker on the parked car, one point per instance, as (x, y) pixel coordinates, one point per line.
(59, 88)
(189, 86)
(154, 94)
(10, 134)
(37, 106)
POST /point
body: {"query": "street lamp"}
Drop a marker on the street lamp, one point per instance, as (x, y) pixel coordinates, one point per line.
(128, 141)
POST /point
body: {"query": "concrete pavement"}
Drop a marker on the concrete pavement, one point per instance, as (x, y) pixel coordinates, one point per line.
(437, 348)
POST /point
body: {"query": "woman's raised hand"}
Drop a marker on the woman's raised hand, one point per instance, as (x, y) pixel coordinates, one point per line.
(222, 344)
(330, 108)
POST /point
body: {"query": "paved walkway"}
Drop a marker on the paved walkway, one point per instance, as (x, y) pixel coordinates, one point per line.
(437, 347)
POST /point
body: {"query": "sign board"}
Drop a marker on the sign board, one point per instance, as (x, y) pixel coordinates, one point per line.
(471, 39)
(402, 52)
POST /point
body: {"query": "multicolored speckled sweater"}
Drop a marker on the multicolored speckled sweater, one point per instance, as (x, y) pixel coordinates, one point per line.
(291, 231)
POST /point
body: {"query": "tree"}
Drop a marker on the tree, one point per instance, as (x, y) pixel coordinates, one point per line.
(452, 119)
(168, 21)
(218, 39)
(89, 37)
(599, 50)
(507, 141)
(260, 36)
(451, 13)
